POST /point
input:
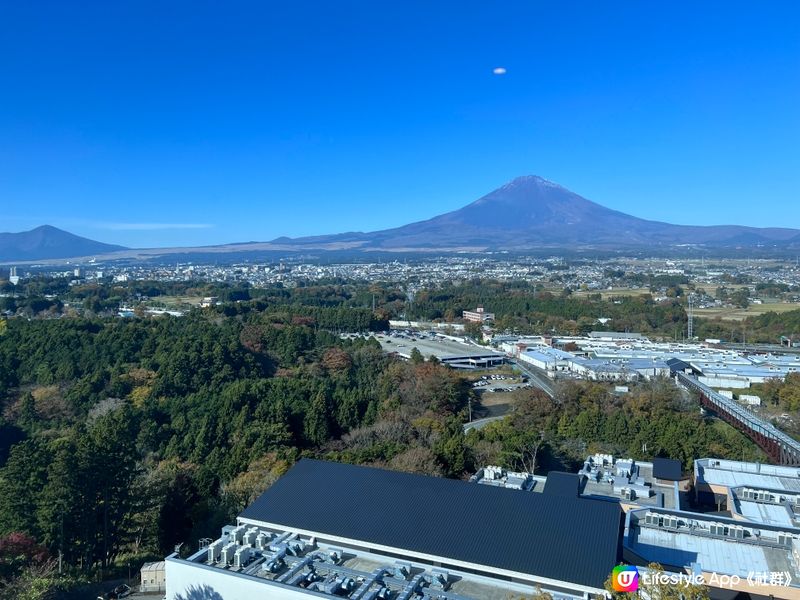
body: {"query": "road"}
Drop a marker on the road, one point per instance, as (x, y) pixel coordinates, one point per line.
(536, 377)
(481, 423)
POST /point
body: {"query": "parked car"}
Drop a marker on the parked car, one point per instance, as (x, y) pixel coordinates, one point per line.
(121, 591)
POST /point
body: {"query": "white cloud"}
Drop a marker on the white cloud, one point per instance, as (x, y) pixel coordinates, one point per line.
(499, 70)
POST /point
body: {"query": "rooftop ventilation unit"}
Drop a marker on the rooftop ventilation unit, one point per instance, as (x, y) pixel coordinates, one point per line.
(334, 555)
(237, 535)
(384, 593)
(262, 540)
(652, 519)
(250, 535)
(439, 579)
(338, 587)
(296, 547)
(214, 549)
(242, 556)
(273, 565)
(228, 551)
(402, 570)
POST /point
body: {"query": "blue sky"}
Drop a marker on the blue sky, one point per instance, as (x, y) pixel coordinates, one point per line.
(152, 123)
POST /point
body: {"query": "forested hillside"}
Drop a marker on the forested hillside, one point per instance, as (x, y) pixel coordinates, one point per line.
(126, 437)
(120, 438)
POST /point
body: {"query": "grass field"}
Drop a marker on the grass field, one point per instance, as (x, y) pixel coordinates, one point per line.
(739, 314)
(176, 301)
(614, 292)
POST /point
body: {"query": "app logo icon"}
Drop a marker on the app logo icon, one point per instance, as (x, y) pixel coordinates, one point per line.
(625, 579)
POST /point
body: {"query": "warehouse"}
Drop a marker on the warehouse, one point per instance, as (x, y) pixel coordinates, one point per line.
(726, 554)
(371, 534)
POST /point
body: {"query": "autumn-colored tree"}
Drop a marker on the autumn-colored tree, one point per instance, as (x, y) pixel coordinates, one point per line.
(336, 360)
(17, 550)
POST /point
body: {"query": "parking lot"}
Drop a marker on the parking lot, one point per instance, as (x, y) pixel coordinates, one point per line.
(429, 344)
(449, 350)
(499, 383)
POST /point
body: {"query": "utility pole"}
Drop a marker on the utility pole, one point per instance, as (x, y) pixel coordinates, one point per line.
(690, 330)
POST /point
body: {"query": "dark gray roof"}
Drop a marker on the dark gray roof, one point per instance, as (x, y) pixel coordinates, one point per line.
(677, 365)
(563, 484)
(569, 539)
(667, 468)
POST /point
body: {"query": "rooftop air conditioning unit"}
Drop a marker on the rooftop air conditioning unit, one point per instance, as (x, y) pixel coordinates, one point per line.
(250, 535)
(262, 540)
(237, 535)
(214, 549)
(241, 557)
(226, 556)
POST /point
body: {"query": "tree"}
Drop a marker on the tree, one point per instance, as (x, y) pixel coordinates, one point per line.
(18, 550)
(527, 448)
(316, 427)
(20, 481)
(416, 356)
(260, 475)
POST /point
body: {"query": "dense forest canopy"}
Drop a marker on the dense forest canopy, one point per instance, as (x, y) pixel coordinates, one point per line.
(120, 438)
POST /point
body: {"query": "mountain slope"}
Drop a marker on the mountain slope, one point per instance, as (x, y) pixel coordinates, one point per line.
(48, 242)
(532, 212)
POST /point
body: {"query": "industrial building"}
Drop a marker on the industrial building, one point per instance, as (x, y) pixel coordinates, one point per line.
(153, 577)
(327, 529)
(752, 548)
(610, 356)
(763, 505)
(760, 560)
(449, 350)
(714, 479)
(479, 315)
(635, 483)
(632, 483)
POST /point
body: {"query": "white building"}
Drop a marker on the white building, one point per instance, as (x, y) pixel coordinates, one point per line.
(335, 530)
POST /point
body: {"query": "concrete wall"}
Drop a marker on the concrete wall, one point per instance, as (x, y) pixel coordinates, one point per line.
(193, 581)
(720, 382)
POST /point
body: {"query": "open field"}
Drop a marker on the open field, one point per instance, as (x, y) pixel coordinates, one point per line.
(612, 293)
(176, 301)
(739, 314)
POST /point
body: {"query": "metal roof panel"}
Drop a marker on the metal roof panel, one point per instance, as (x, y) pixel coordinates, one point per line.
(573, 540)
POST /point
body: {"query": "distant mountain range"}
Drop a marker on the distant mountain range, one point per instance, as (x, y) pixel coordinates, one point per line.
(47, 242)
(531, 213)
(527, 214)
